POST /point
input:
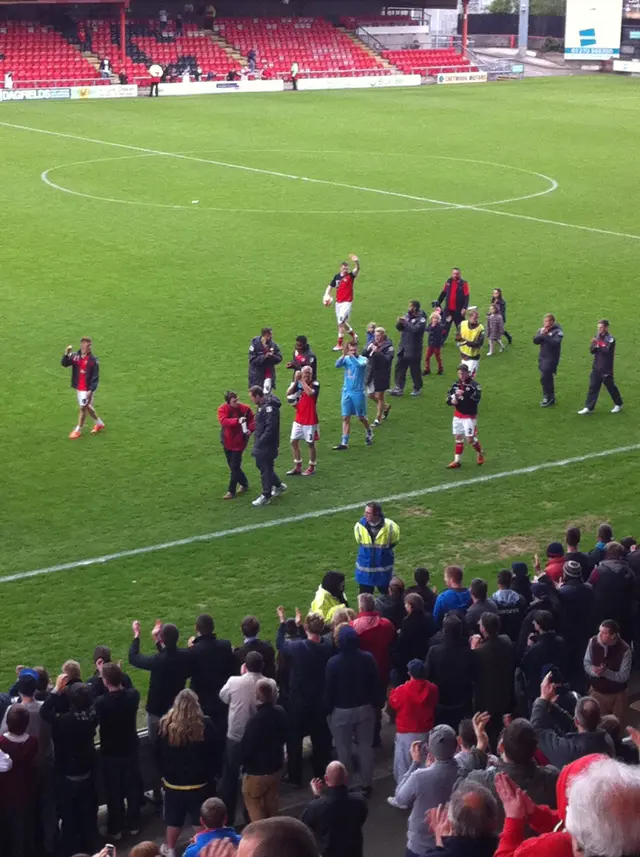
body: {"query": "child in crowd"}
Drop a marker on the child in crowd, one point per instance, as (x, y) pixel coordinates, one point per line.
(497, 298)
(495, 329)
(435, 341)
(371, 332)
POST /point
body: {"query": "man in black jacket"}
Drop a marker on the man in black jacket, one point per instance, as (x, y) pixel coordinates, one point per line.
(449, 665)
(266, 444)
(264, 356)
(117, 711)
(73, 730)
(603, 348)
(454, 300)
(102, 656)
(614, 590)
(250, 627)
(352, 696)
(556, 740)
(379, 353)
(578, 624)
(480, 603)
(546, 648)
(170, 668)
(308, 659)
(213, 663)
(262, 753)
(494, 668)
(412, 642)
(303, 356)
(549, 338)
(411, 326)
(336, 816)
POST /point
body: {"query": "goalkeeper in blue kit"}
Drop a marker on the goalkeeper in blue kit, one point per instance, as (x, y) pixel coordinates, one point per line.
(354, 399)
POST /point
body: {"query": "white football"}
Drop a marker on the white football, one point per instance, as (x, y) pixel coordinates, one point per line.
(327, 300)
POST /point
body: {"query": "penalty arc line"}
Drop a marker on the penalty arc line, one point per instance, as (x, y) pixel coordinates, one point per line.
(319, 513)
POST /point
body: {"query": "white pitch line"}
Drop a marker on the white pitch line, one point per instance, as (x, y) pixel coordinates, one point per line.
(232, 166)
(447, 206)
(319, 513)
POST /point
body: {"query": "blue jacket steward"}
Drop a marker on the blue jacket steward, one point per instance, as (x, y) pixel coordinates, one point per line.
(374, 563)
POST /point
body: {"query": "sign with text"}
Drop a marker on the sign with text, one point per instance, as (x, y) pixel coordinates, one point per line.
(462, 77)
(593, 29)
(369, 82)
(55, 94)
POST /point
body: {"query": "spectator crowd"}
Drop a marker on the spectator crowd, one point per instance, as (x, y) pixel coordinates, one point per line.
(509, 708)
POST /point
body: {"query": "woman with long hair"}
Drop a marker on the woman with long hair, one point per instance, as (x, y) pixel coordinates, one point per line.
(185, 753)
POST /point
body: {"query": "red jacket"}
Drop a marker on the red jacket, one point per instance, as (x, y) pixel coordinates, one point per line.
(554, 567)
(376, 636)
(415, 705)
(232, 436)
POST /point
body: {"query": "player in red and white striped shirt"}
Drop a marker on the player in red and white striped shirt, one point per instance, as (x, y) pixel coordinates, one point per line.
(304, 392)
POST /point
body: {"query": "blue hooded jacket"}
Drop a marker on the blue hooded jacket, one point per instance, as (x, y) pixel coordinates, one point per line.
(352, 676)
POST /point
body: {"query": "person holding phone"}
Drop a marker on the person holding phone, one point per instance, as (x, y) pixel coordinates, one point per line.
(238, 423)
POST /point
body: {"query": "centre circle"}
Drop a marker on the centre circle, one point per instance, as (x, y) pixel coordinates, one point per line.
(438, 164)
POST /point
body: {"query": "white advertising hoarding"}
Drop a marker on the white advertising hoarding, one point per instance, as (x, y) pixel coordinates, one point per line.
(128, 90)
(213, 87)
(368, 82)
(593, 29)
(462, 77)
(630, 66)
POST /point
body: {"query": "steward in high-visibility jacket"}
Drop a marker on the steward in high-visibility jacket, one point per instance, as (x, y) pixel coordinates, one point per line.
(377, 537)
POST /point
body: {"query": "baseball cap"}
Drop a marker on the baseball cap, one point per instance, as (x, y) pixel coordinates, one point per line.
(555, 549)
(443, 743)
(28, 671)
(416, 668)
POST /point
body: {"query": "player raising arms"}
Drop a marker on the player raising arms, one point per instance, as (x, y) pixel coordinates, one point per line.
(354, 400)
(343, 284)
(85, 374)
(303, 392)
(464, 396)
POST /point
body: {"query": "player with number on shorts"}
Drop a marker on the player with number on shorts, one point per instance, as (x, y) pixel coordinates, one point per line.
(343, 284)
(464, 396)
(85, 374)
(303, 393)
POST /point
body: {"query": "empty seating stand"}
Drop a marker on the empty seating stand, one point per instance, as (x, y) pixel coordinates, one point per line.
(39, 56)
(147, 44)
(428, 62)
(318, 47)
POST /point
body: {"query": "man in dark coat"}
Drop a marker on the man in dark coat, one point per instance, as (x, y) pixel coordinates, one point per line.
(549, 338)
(411, 326)
(578, 624)
(614, 590)
(449, 665)
(545, 648)
(603, 348)
(250, 628)
(264, 356)
(554, 727)
(213, 664)
(454, 300)
(336, 816)
(303, 356)
(413, 639)
(494, 668)
(266, 444)
(379, 352)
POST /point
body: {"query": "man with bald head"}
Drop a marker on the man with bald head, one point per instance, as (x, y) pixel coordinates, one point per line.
(336, 816)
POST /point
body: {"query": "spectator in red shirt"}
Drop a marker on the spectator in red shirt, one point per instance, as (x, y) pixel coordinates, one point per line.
(18, 786)
(237, 423)
(415, 705)
(555, 562)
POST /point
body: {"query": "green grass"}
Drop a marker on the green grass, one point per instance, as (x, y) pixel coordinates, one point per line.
(172, 296)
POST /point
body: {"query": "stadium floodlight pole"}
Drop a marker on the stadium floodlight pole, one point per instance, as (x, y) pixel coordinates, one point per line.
(523, 29)
(465, 26)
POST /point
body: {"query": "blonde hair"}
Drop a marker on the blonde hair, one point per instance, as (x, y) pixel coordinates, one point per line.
(381, 330)
(435, 315)
(184, 722)
(71, 669)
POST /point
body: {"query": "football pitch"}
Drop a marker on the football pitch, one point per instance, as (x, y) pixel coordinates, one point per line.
(532, 187)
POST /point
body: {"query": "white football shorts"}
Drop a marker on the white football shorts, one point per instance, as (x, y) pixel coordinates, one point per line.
(343, 311)
(306, 433)
(84, 397)
(466, 426)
